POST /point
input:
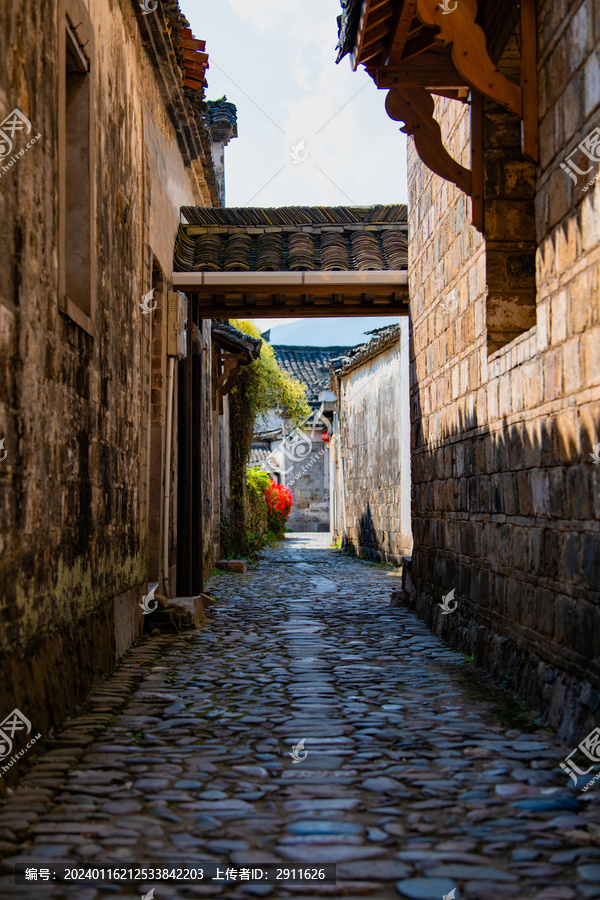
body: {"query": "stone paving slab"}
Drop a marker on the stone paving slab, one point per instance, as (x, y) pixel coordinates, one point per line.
(414, 790)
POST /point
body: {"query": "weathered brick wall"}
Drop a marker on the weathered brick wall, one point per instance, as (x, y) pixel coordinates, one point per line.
(74, 408)
(373, 446)
(506, 498)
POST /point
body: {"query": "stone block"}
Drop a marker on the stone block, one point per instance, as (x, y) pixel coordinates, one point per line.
(581, 293)
(565, 620)
(572, 103)
(587, 632)
(513, 600)
(591, 342)
(579, 36)
(544, 606)
(558, 317)
(550, 553)
(520, 549)
(579, 490)
(590, 220)
(574, 366)
(553, 362)
(399, 598)
(509, 494)
(591, 562)
(240, 566)
(523, 495)
(570, 563)
(200, 619)
(559, 197)
(535, 549)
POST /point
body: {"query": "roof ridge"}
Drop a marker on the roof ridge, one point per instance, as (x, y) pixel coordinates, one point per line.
(297, 215)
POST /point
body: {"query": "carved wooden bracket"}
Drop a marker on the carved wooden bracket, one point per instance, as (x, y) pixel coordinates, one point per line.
(414, 106)
(469, 51)
(231, 366)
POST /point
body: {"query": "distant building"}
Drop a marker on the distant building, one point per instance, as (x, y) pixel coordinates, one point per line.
(370, 447)
(302, 455)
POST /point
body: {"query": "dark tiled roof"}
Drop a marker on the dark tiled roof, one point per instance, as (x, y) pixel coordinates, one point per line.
(348, 24)
(383, 337)
(181, 62)
(260, 456)
(310, 365)
(235, 341)
(292, 239)
(189, 51)
(221, 119)
(246, 217)
(194, 60)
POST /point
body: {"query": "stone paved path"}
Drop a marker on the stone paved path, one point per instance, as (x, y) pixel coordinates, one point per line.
(409, 787)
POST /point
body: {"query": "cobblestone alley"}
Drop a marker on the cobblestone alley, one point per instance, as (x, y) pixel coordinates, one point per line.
(182, 757)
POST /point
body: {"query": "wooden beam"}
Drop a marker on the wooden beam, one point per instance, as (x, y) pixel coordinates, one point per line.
(477, 183)
(427, 69)
(425, 40)
(530, 127)
(414, 106)
(381, 14)
(396, 302)
(461, 94)
(356, 55)
(372, 52)
(400, 27)
(293, 292)
(373, 36)
(469, 51)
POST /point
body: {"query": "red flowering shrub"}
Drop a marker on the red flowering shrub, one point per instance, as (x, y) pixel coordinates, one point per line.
(279, 503)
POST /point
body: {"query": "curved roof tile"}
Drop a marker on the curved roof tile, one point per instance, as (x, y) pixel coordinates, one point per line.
(293, 239)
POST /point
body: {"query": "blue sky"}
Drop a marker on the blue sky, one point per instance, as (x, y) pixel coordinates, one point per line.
(275, 59)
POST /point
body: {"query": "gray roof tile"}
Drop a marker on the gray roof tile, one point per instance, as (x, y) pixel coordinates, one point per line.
(310, 365)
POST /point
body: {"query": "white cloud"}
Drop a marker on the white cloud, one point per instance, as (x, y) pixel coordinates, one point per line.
(281, 54)
(264, 16)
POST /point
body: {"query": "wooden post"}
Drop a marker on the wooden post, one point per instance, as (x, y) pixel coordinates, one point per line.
(529, 125)
(477, 182)
(185, 470)
(199, 429)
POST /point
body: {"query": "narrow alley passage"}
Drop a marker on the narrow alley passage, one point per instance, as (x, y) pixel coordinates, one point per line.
(408, 786)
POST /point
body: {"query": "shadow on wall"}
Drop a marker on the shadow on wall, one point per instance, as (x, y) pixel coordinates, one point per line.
(369, 543)
(367, 535)
(503, 518)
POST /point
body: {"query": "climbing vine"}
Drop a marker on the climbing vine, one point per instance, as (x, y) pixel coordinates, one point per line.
(266, 386)
(259, 388)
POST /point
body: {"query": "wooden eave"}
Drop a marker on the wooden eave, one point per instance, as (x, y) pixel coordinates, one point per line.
(239, 295)
(415, 48)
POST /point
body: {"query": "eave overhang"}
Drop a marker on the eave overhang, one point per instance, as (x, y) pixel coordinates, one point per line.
(297, 294)
(416, 48)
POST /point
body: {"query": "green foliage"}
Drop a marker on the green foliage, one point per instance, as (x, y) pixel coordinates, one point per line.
(257, 481)
(268, 387)
(259, 529)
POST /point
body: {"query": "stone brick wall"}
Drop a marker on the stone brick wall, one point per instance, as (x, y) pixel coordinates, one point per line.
(372, 456)
(506, 497)
(77, 409)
